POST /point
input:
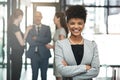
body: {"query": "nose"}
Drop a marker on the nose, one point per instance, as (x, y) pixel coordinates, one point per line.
(76, 25)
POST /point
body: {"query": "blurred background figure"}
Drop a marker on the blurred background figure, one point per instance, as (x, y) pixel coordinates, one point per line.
(16, 43)
(60, 33)
(39, 36)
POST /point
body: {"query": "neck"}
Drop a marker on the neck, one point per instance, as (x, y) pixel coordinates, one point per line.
(16, 23)
(76, 39)
(58, 26)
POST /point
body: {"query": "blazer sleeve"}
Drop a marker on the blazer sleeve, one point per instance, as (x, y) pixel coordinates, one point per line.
(29, 38)
(66, 71)
(95, 64)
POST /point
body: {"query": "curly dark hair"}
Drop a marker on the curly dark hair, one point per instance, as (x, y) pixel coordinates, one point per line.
(76, 11)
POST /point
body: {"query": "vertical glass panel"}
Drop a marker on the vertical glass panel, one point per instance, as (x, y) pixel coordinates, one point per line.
(100, 20)
(89, 26)
(22, 24)
(90, 2)
(101, 2)
(3, 0)
(96, 21)
(1, 38)
(114, 2)
(30, 15)
(114, 20)
(87, 2)
(73, 2)
(44, 0)
(3, 31)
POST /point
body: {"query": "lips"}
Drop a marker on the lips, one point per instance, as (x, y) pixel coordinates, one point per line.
(76, 30)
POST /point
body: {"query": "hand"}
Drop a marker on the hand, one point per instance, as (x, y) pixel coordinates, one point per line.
(64, 63)
(49, 46)
(29, 28)
(88, 67)
(34, 38)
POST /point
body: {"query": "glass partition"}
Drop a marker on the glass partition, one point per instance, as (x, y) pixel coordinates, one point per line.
(96, 20)
(114, 2)
(103, 15)
(87, 2)
(44, 0)
(113, 21)
(3, 30)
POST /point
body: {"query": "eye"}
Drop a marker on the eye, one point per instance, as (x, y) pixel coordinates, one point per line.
(72, 23)
(80, 23)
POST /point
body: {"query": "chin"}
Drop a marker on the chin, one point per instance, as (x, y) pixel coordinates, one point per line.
(76, 34)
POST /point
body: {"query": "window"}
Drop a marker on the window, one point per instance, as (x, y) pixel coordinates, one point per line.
(103, 15)
(44, 0)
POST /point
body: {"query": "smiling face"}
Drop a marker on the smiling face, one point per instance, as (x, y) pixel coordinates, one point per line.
(76, 18)
(75, 25)
(37, 18)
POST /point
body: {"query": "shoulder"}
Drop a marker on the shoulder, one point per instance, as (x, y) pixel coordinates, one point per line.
(62, 29)
(62, 42)
(13, 28)
(62, 32)
(90, 43)
(46, 26)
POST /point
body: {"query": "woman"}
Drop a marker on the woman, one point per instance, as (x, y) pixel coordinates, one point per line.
(76, 58)
(16, 43)
(60, 33)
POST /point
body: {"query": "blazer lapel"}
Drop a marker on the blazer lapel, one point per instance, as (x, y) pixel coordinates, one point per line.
(69, 56)
(84, 55)
(87, 56)
(34, 30)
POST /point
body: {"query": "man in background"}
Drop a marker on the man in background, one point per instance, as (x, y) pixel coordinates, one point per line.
(38, 38)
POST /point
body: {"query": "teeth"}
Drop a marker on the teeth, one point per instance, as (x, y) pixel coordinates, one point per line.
(76, 30)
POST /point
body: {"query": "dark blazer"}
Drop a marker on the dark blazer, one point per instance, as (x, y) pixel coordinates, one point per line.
(43, 38)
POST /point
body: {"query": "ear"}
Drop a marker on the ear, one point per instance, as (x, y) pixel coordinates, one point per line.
(41, 16)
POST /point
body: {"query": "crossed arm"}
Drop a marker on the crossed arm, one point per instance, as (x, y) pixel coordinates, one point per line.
(82, 71)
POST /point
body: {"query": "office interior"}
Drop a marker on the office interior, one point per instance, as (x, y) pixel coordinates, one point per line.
(102, 25)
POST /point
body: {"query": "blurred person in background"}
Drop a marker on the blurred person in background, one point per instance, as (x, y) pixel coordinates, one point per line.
(60, 34)
(38, 38)
(16, 42)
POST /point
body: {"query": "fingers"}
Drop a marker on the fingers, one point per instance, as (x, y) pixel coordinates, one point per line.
(88, 67)
(64, 63)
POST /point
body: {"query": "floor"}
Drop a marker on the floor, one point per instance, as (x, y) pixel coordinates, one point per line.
(26, 74)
